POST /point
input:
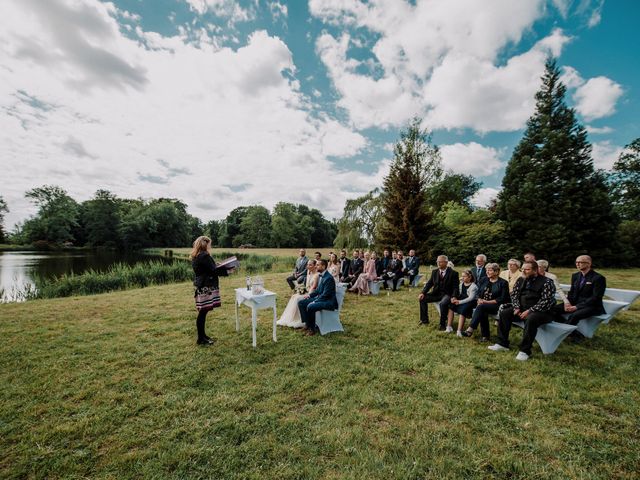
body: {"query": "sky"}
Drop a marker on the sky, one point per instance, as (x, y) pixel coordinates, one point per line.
(224, 103)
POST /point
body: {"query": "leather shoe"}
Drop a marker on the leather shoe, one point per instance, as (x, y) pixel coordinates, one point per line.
(205, 341)
(423, 323)
(442, 328)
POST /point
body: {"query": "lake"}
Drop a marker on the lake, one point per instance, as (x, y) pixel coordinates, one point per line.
(18, 269)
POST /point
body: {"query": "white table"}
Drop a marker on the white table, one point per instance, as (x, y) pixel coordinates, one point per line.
(256, 302)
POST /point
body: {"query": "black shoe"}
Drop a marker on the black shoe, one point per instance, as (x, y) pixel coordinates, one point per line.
(423, 323)
(205, 341)
(467, 334)
(484, 339)
(442, 328)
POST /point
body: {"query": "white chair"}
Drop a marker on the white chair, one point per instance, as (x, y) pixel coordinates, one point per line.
(374, 286)
(588, 326)
(329, 320)
(550, 335)
(416, 280)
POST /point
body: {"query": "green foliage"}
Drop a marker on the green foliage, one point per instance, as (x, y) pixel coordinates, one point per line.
(416, 166)
(624, 182)
(628, 240)
(463, 233)
(552, 201)
(100, 218)
(296, 225)
(454, 187)
(255, 227)
(57, 216)
(360, 222)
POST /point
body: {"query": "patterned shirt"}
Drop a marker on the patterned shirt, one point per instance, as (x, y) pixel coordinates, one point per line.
(547, 297)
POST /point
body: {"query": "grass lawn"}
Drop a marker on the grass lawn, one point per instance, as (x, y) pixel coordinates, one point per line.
(113, 386)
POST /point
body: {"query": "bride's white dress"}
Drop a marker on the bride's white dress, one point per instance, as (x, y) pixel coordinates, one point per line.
(291, 315)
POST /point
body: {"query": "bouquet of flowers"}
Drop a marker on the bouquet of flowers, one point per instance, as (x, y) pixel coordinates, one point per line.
(301, 289)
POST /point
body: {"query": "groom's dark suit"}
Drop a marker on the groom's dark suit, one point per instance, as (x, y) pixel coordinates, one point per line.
(322, 298)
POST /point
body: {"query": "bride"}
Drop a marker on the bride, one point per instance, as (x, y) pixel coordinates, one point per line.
(291, 315)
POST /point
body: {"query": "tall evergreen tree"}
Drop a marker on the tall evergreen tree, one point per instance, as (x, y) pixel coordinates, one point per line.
(552, 200)
(3, 209)
(415, 167)
(625, 182)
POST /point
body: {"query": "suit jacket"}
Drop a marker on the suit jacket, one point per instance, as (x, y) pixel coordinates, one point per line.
(481, 275)
(499, 289)
(447, 285)
(413, 263)
(301, 266)
(396, 266)
(326, 291)
(357, 265)
(345, 264)
(590, 294)
(385, 263)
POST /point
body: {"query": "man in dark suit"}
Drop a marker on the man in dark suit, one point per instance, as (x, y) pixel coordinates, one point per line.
(480, 270)
(444, 284)
(384, 264)
(585, 296)
(345, 263)
(322, 298)
(355, 269)
(411, 266)
(299, 274)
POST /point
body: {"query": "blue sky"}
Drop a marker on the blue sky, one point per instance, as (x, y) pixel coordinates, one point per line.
(223, 103)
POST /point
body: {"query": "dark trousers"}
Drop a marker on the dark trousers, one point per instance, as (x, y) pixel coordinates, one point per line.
(308, 308)
(394, 277)
(440, 298)
(291, 279)
(531, 324)
(574, 317)
(481, 316)
(200, 321)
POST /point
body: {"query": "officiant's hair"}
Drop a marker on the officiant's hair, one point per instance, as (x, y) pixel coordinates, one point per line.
(200, 244)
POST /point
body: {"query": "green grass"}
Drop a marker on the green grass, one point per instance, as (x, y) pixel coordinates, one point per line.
(113, 386)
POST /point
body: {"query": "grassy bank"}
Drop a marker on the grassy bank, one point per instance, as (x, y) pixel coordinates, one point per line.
(113, 386)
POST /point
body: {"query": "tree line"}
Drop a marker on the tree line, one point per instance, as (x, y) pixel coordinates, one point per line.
(553, 201)
(130, 224)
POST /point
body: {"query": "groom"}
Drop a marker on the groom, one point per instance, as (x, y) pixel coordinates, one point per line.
(322, 298)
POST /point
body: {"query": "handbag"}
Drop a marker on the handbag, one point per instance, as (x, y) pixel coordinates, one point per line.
(207, 299)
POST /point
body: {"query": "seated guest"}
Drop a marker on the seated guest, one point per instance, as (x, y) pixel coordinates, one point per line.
(543, 267)
(464, 303)
(355, 268)
(394, 273)
(411, 266)
(300, 271)
(334, 267)
(479, 271)
(512, 273)
(291, 315)
(322, 298)
(345, 263)
(493, 291)
(384, 263)
(532, 301)
(440, 288)
(361, 285)
(317, 256)
(585, 296)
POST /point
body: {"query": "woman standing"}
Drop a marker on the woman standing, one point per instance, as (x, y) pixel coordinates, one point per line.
(207, 292)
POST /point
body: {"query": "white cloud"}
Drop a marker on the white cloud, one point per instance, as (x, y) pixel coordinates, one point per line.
(605, 154)
(85, 107)
(437, 59)
(571, 78)
(484, 197)
(597, 97)
(598, 130)
(596, 15)
(222, 8)
(278, 10)
(471, 159)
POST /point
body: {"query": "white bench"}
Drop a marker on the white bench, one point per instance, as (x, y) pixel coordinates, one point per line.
(617, 294)
(329, 320)
(416, 280)
(374, 286)
(588, 326)
(550, 335)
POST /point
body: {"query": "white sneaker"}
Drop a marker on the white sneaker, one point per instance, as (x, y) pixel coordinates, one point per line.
(459, 333)
(523, 357)
(449, 329)
(496, 347)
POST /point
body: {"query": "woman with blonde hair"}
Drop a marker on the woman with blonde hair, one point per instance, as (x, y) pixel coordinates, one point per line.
(207, 293)
(369, 274)
(291, 315)
(512, 273)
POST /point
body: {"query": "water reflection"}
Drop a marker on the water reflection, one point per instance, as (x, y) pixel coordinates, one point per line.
(18, 270)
